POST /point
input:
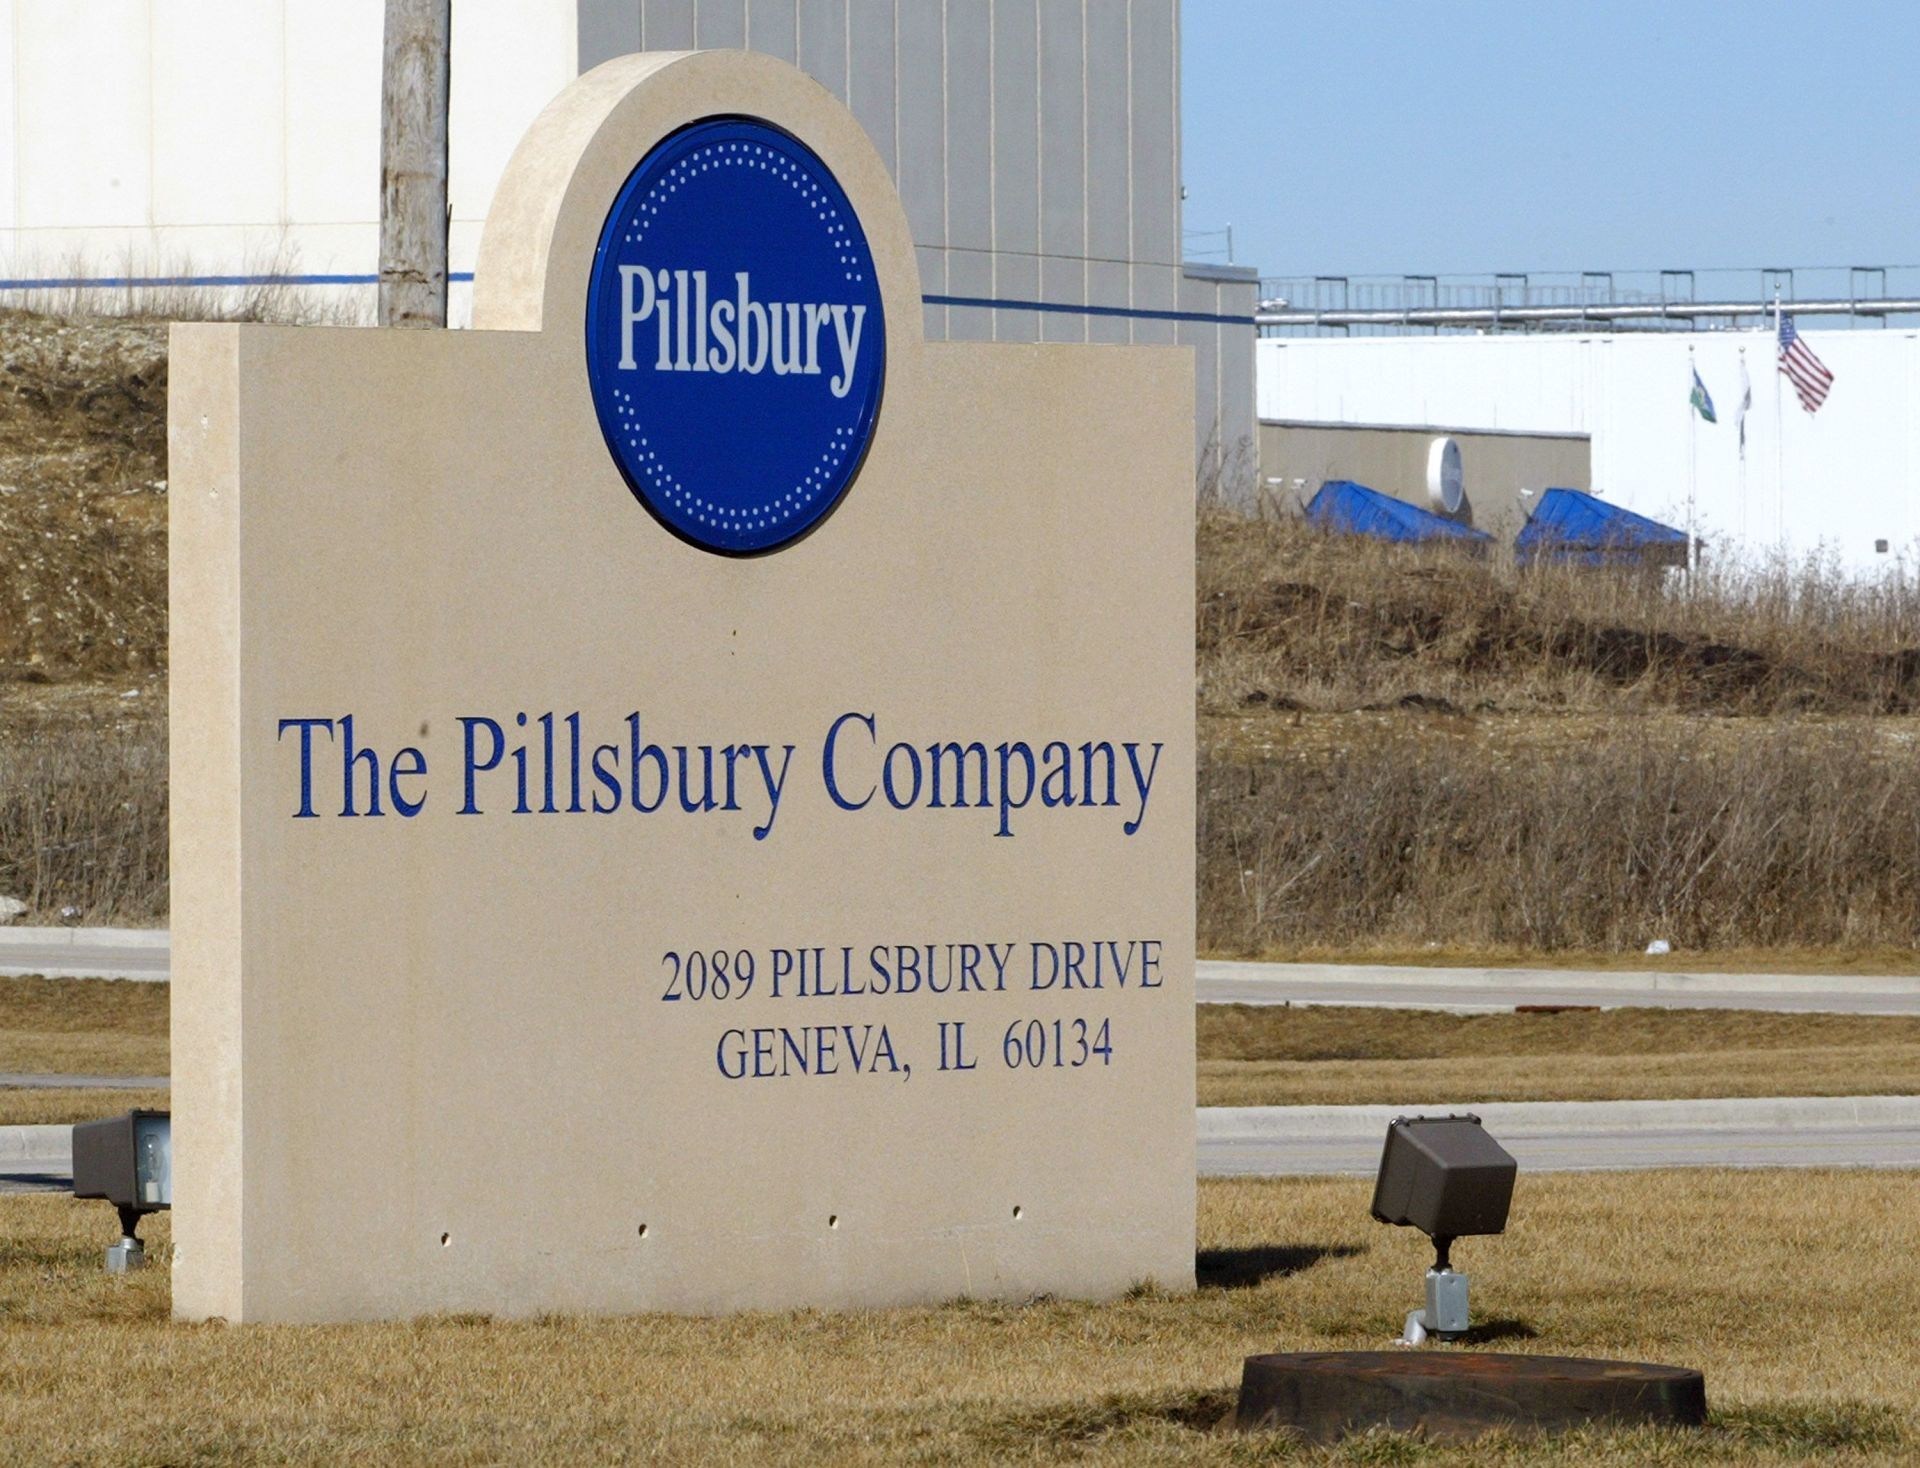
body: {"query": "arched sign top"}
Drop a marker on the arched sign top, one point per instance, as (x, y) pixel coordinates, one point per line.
(544, 227)
(735, 336)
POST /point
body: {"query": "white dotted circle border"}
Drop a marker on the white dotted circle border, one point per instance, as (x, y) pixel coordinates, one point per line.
(646, 459)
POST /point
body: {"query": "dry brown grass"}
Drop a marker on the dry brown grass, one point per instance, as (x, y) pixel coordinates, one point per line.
(1400, 748)
(1339, 1032)
(1869, 1071)
(1251, 1055)
(1775, 834)
(83, 812)
(1290, 617)
(65, 1105)
(83, 540)
(1809, 1363)
(83, 1027)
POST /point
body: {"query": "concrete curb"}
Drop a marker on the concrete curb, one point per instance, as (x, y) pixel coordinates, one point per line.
(13, 1080)
(86, 938)
(1626, 981)
(1520, 1119)
(36, 1144)
(139, 955)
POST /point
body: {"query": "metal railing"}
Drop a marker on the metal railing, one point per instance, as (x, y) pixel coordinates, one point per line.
(1208, 244)
(1672, 299)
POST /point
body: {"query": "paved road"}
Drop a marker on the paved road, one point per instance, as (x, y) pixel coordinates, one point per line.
(1489, 991)
(133, 953)
(36, 1159)
(1546, 1136)
(37, 1080)
(1579, 1136)
(85, 953)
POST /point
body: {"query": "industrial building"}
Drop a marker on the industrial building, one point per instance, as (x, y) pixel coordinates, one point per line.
(233, 146)
(1842, 484)
(1608, 357)
(1497, 475)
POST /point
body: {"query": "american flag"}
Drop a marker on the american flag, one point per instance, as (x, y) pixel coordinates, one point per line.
(1806, 372)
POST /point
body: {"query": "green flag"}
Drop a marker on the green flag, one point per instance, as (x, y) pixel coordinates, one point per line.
(1702, 401)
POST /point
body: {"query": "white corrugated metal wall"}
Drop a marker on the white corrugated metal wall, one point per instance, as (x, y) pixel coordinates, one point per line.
(240, 138)
(1835, 482)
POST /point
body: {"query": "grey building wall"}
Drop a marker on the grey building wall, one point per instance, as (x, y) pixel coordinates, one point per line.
(1502, 473)
(1217, 304)
(1036, 147)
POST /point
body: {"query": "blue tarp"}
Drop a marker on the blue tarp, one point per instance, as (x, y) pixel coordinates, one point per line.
(1571, 526)
(1356, 510)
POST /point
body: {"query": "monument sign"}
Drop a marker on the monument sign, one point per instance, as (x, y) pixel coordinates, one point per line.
(682, 794)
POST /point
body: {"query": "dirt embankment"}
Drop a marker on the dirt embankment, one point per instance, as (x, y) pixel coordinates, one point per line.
(83, 618)
(83, 463)
(1409, 749)
(1290, 619)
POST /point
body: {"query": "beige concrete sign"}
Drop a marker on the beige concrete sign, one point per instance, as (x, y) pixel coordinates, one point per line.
(682, 794)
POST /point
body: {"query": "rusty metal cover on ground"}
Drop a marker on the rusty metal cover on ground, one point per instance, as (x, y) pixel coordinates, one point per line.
(1324, 1395)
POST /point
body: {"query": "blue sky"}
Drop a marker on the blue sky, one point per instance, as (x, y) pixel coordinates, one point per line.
(1367, 137)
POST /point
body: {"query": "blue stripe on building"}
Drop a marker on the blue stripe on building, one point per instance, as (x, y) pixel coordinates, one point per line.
(1137, 313)
(458, 277)
(151, 282)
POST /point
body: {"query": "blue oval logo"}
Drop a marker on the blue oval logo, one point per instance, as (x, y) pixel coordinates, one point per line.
(736, 342)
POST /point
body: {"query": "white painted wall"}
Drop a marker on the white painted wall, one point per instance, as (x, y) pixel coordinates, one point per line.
(241, 137)
(1832, 482)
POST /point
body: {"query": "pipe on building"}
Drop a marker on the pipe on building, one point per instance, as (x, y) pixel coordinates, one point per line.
(1280, 313)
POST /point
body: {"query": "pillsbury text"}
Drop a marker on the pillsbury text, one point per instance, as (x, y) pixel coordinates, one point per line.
(733, 333)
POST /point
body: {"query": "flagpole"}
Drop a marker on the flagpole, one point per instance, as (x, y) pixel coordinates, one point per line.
(1779, 439)
(1693, 465)
(1746, 391)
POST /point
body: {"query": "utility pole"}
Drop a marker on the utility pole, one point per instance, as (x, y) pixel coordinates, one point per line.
(413, 163)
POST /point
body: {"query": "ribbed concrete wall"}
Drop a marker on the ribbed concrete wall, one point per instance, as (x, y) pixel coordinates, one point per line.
(1217, 303)
(1035, 142)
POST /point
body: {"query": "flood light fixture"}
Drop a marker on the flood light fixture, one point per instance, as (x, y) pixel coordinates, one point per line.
(1446, 1177)
(128, 1161)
